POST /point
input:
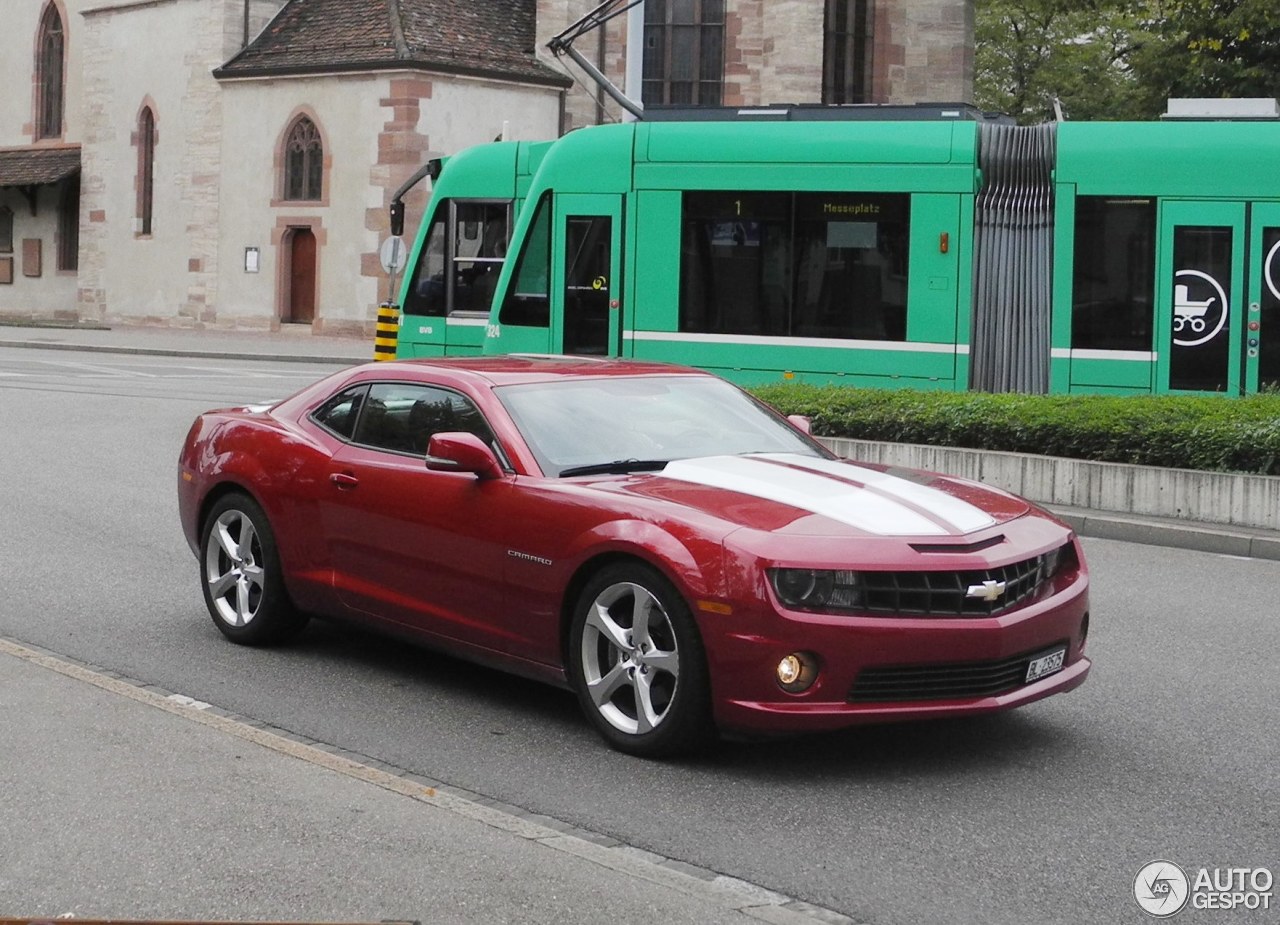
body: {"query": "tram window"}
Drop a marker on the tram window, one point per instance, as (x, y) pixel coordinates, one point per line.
(1269, 361)
(1114, 274)
(426, 295)
(795, 265)
(470, 238)
(528, 297)
(851, 266)
(734, 276)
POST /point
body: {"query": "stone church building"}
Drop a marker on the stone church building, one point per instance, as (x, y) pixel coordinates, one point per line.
(229, 162)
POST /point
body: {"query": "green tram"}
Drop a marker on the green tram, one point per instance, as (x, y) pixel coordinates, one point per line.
(950, 253)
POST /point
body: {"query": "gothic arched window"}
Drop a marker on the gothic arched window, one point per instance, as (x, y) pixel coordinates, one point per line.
(146, 168)
(49, 79)
(303, 161)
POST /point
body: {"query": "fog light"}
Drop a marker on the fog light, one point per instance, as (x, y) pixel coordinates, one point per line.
(797, 672)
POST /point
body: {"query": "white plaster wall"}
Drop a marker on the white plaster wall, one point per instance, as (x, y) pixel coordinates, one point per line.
(258, 113)
(348, 111)
(464, 112)
(53, 292)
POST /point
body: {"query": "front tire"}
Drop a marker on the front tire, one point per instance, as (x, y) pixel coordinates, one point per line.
(637, 663)
(241, 575)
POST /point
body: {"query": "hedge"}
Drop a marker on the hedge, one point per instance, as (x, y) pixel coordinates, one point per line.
(1180, 431)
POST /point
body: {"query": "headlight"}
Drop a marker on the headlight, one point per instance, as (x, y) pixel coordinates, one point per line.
(1059, 559)
(817, 589)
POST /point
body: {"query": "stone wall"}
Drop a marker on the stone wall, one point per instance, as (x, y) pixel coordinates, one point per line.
(922, 51)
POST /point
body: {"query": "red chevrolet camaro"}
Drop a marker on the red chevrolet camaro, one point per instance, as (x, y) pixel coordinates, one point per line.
(680, 556)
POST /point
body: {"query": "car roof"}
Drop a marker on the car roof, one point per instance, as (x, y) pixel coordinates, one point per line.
(523, 368)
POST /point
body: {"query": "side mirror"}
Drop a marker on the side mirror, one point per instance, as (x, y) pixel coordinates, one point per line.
(462, 452)
(397, 217)
(801, 423)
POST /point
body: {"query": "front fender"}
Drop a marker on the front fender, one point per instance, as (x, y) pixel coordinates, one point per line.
(692, 563)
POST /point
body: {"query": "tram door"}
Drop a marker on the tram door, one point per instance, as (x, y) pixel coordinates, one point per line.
(1262, 325)
(588, 274)
(1201, 297)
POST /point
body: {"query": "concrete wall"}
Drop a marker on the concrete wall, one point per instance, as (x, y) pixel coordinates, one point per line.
(1227, 498)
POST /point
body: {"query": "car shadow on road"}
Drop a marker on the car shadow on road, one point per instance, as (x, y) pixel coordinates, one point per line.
(1030, 737)
(533, 712)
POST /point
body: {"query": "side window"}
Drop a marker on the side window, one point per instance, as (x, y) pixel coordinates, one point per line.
(734, 253)
(795, 265)
(851, 265)
(402, 418)
(339, 413)
(1114, 278)
(528, 300)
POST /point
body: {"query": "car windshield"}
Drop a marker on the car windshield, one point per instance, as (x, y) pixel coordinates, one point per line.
(638, 423)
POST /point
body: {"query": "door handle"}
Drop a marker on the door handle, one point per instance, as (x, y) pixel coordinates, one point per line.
(344, 480)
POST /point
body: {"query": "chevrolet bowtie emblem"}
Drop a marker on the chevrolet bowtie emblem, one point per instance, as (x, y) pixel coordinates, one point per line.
(987, 591)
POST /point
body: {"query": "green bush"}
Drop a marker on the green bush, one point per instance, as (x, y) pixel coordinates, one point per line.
(1181, 431)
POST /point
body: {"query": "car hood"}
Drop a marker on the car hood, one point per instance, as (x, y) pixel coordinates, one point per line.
(808, 496)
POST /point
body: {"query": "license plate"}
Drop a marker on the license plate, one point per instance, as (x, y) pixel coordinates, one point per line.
(1046, 664)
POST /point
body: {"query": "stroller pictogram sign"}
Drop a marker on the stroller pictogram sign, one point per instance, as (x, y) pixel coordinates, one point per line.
(1200, 308)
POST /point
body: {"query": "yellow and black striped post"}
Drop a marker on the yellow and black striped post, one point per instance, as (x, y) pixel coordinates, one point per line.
(384, 341)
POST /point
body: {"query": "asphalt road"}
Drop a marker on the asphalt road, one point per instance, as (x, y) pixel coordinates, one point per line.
(1042, 815)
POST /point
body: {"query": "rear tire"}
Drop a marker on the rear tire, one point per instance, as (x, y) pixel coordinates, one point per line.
(637, 664)
(241, 575)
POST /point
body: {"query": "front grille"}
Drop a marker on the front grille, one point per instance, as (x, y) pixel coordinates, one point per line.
(943, 594)
(943, 682)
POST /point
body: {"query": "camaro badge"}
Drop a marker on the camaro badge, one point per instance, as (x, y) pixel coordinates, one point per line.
(988, 591)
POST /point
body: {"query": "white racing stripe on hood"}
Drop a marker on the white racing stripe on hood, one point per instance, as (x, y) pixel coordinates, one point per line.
(862, 498)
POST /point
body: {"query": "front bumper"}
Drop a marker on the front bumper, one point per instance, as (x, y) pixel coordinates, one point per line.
(744, 653)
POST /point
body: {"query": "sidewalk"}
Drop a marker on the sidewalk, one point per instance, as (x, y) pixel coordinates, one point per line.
(296, 343)
(126, 802)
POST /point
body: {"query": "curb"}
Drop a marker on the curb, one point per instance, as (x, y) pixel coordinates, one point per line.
(1193, 536)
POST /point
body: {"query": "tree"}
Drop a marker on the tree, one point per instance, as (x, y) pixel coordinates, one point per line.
(1211, 48)
(1033, 52)
(1122, 59)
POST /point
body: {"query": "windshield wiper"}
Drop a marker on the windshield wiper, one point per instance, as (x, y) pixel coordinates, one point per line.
(617, 467)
